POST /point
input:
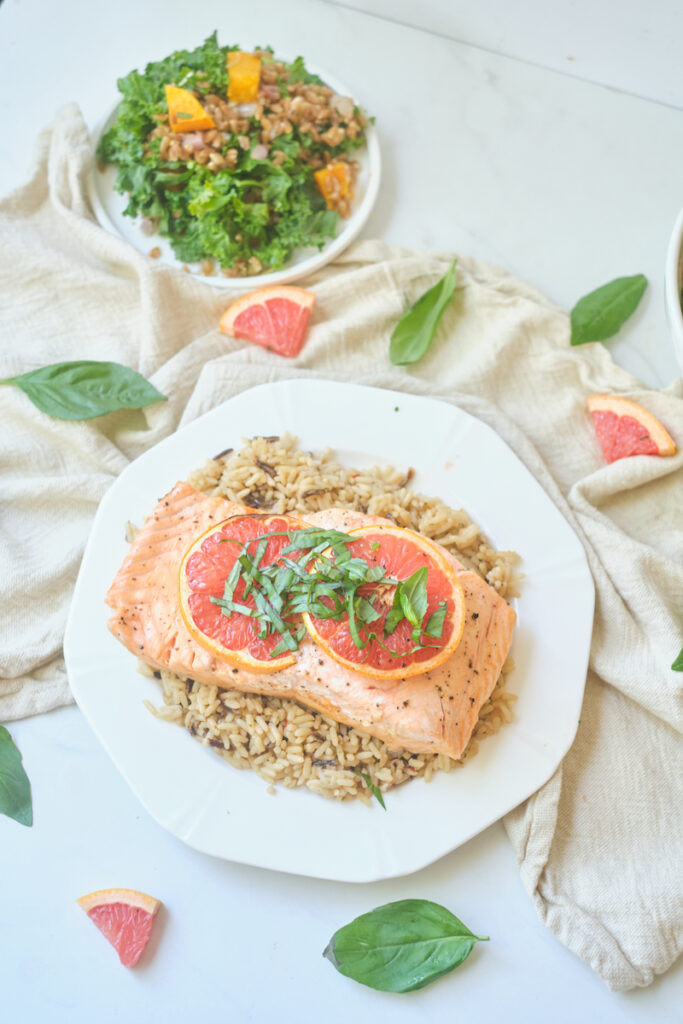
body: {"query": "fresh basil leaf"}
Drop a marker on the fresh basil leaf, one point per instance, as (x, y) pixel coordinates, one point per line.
(435, 622)
(415, 331)
(365, 611)
(375, 790)
(601, 313)
(678, 662)
(15, 789)
(396, 614)
(84, 389)
(401, 946)
(414, 597)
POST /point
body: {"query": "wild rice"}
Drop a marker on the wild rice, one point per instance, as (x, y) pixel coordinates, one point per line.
(286, 743)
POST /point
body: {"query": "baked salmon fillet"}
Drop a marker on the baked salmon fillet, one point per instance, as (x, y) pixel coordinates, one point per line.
(434, 712)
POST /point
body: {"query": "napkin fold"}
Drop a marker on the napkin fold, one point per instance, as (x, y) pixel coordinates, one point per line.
(599, 846)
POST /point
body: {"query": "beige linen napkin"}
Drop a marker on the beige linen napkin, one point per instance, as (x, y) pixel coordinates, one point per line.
(599, 845)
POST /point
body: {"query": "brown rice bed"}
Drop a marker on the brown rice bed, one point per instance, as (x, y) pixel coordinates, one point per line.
(286, 743)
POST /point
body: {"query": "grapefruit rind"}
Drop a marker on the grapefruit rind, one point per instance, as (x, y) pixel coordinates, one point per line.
(131, 897)
(241, 659)
(626, 407)
(457, 618)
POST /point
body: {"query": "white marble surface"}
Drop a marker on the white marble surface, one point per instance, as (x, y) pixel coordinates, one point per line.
(565, 183)
(627, 45)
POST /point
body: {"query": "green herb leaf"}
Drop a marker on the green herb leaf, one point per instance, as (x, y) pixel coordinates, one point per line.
(435, 622)
(401, 946)
(601, 313)
(15, 789)
(375, 790)
(677, 665)
(415, 331)
(82, 390)
(395, 615)
(414, 597)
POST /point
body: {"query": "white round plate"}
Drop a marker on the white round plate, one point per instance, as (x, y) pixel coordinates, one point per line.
(220, 810)
(108, 206)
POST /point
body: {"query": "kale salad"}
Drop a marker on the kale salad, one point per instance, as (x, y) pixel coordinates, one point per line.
(236, 157)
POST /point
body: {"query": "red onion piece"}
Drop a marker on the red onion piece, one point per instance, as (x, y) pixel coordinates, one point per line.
(259, 152)
(192, 141)
(343, 105)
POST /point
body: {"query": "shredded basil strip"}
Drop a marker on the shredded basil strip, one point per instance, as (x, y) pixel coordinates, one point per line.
(375, 790)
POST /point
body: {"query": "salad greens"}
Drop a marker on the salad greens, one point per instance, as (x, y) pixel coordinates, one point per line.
(401, 946)
(265, 206)
(83, 389)
(15, 789)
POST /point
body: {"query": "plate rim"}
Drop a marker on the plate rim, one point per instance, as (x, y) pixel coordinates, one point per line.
(550, 763)
(318, 258)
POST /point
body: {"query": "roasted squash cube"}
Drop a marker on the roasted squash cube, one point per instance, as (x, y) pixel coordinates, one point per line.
(244, 75)
(334, 183)
(185, 112)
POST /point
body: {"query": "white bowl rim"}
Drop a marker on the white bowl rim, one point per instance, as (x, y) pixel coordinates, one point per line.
(295, 272)
(674, 260)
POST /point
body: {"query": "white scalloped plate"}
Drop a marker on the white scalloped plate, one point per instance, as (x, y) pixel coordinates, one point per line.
(108, 206)
(215, 808)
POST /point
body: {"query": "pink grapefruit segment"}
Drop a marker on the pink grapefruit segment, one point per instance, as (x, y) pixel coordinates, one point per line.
(203, 572)
(625, 428)
(125, 918)
(275, 317)
(401, 553)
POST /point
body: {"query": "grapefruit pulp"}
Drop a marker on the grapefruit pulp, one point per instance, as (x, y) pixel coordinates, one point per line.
(401, 553)
(203, 572)
(275, 317)
(625, 428)
(125, 917)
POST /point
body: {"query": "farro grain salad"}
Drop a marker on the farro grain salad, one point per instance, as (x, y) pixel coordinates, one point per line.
(238, 158)
(324, 626)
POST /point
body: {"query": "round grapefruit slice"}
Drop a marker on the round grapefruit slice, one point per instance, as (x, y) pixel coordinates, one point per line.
(125, 917)
(275, 317)
(203, 573)
(624, 428)
(401, 553)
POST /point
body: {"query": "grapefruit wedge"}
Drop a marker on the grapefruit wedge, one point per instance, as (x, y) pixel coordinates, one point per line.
(204, 571)
(275, 318)
(125, 917)
(625, 428)
(393, 656)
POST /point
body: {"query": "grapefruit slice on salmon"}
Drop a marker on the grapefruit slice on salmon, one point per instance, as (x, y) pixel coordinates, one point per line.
(220, 614)
(275, 317)
(407, 633)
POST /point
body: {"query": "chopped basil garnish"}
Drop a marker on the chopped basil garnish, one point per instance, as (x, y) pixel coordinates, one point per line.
(375, 790)
(324, 587)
